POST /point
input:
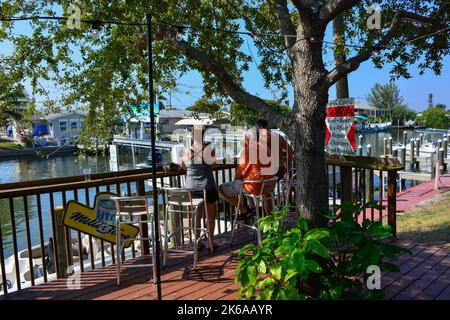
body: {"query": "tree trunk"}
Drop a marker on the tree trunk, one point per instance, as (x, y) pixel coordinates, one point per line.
(339, 56)
(310, 158)
(307, 132)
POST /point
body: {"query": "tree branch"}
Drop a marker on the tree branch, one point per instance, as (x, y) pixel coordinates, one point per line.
(332, 8)
(352, 64)
(287, 27)
(235, 91)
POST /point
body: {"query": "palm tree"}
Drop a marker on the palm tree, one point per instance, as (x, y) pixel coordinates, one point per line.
(385, 96)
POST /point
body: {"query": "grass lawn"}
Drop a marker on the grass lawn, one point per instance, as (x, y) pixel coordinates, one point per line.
(5, 145)
(429, 223)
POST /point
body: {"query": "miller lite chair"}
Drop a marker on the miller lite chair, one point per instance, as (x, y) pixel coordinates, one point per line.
(266, 194)
(182, 201)
(127, 210)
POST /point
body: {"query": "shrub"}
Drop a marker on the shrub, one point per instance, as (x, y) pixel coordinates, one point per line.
(318, 263)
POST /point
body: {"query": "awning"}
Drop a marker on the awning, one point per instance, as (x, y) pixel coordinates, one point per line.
(193, 122)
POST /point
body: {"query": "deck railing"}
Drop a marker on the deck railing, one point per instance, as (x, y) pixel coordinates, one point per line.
(30, 214)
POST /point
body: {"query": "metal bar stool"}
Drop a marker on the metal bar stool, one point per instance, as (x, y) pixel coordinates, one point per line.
(288, 184)
(180, 201)
(131, 207)
(266, 193)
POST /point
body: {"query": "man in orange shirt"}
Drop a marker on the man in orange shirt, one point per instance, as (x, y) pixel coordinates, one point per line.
(281, 152)
(251, 166)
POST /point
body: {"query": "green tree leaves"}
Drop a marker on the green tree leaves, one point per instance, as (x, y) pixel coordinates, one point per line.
(435, 117)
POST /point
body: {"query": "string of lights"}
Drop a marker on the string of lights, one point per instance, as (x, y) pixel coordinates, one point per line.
(256, 36)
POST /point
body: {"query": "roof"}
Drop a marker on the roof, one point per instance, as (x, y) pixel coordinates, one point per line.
(54, 116)
(364, 106)
(193, 122)
(174, 113)
(177, 113)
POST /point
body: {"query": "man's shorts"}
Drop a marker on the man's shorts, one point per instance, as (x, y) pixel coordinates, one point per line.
(232, 188)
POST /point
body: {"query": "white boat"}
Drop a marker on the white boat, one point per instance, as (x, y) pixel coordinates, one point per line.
(426, 149)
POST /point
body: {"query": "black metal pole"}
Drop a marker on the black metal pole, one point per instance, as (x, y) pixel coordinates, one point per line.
(156, 259)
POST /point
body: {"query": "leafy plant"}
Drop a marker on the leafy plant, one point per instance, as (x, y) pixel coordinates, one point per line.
(319, 263)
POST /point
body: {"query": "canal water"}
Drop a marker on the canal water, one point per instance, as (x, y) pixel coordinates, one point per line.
(28, 168)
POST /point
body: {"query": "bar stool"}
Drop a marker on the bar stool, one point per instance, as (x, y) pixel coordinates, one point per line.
(266, 193)
(288, 184)
(127, 208)
(180, 201)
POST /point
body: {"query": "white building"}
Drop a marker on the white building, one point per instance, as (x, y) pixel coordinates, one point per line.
(362, 108)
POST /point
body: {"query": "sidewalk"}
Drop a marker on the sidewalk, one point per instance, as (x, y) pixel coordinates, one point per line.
(409, 198)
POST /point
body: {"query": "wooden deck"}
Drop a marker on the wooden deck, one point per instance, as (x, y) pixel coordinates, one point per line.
(424, 275)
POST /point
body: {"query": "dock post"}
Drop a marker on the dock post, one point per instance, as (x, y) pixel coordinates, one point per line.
(405, 133)
(395, 153)
(441, 160)
(390, 146)
(432, 164)
(418, 147)
(360, 151)
(445, 146)
(60, 244)
(421, 138)
(385, 148)
(369, 150)
(403, 155)
(360, 140)
(411, 154)
(403, 160)
(439, 144)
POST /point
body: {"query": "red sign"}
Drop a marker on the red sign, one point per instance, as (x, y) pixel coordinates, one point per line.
(340, 130)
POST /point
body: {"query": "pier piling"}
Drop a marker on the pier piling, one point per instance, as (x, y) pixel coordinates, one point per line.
(390, 146)
(432, 164)
(411, 154)
(385, 148)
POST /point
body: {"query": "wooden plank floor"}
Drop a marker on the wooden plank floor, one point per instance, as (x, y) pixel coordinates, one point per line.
(423, 275)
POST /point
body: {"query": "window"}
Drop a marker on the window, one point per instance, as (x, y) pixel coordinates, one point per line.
(63, 126)
(73, 126)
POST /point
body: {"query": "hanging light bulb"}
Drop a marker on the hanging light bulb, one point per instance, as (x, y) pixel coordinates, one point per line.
(255, 37)
(180, 33)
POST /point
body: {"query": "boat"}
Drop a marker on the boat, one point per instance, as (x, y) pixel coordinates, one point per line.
(376, 127)
(426, 149)
(48, 259)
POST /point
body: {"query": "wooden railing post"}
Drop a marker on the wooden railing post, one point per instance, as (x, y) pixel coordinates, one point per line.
(346, 184)
(392, 201)
(140, 191)
(60, 243)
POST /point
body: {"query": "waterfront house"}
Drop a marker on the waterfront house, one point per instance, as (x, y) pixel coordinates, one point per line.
(65, 127)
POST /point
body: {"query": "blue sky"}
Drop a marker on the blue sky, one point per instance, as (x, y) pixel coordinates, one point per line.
(414, 91)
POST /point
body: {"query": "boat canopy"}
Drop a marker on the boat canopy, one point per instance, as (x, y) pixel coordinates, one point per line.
(362, 117)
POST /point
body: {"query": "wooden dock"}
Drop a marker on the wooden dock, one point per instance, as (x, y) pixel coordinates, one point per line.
(423, 275)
